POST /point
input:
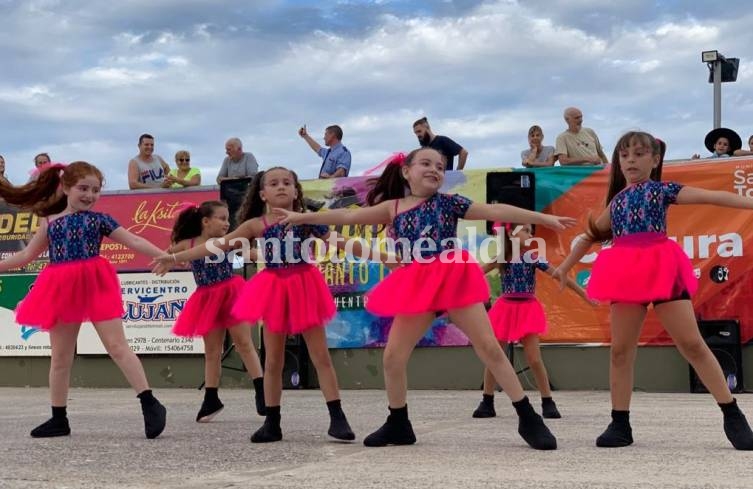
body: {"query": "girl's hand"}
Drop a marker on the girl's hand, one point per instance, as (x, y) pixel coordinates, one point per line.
(163, 263)
(558, 223)
(287, 217)
(561, 275)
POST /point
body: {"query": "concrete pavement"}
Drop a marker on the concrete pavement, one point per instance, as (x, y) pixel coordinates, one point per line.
(679, 444)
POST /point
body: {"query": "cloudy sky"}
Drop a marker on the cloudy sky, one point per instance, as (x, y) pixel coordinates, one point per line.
(82, 79)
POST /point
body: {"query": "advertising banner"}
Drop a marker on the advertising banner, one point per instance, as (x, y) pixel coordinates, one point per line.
(151, 306)
(18, 340)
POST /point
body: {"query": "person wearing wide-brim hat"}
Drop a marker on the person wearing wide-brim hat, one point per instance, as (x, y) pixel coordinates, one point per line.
(722, 143)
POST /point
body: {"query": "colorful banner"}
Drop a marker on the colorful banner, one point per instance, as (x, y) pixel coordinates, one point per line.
(18, 340)
(151, 306)
(714, 238)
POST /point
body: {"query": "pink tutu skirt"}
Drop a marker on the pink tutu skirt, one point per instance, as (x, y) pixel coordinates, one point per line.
(641, 268)
(71, 293)
(208, 308)
(514, 319)
(288, 300)
(418, 288)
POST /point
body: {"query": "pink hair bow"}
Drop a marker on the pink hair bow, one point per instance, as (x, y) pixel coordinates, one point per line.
(394, 159)
(498, 225)
(46, 166)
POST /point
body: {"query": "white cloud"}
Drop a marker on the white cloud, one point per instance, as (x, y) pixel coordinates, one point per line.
(114, 77)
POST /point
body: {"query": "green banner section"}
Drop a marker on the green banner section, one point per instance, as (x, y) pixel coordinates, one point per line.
(13, 288)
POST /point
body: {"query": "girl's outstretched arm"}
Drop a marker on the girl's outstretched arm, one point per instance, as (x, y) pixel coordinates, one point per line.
(695, 195)
(378, 214)
(36, 246)
(572, 284)
(582, 245)
(509, 213)
(243, 233)
(136, 243)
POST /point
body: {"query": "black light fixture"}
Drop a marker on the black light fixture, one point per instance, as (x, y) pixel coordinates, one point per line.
(721, 70)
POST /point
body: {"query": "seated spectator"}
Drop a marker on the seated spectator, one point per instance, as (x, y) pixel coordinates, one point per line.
(184, 175)
(722, 143)
(536, 154)
(745, 152)
(578, 145)
(147, 170)
(2, 171)
(237, 163)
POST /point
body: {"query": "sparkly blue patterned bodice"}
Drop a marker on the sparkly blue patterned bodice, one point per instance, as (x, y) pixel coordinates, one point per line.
(78, 236)
(642, 208)
(435, 220)
(211, 273)
(519, 278)
(283, 244)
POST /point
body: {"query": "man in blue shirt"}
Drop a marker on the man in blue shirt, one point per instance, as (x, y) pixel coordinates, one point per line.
(335, 156)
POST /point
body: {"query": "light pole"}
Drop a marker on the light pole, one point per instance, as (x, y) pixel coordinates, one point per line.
(721, 70)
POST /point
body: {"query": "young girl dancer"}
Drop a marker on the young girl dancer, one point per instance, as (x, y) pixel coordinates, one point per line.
(442, 278)
(518, 316)
(645, 267)
(207, 312)
(290, 296)
(78, 285)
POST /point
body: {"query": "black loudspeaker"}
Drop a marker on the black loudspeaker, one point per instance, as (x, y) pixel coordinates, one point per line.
(295, 372)
(723, 337)
(516, 188)
(233, 192)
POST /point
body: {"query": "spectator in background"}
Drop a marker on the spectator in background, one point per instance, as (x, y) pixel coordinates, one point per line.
(39, 160)
(446, 146)
(147, 170)
(722, 143)
(745, 152)
(2, 171)
(578, 145)
(237, 163)
(184, 175)
(536, 154)
(335, 156)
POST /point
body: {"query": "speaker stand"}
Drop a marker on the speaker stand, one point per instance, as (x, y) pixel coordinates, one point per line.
(510, 351)
(229, 347)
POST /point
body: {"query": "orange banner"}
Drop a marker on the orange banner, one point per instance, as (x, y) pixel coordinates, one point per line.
(714, 238)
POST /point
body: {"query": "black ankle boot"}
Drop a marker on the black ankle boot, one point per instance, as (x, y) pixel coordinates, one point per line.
(155, 414)
(485, 408)
(270, 431)
(396, 431)
(55, 426)
(338, 423)
(736, 426)
(532, 428)
(261, 409)
(549, 408)
(210, 408)
(618, 433)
